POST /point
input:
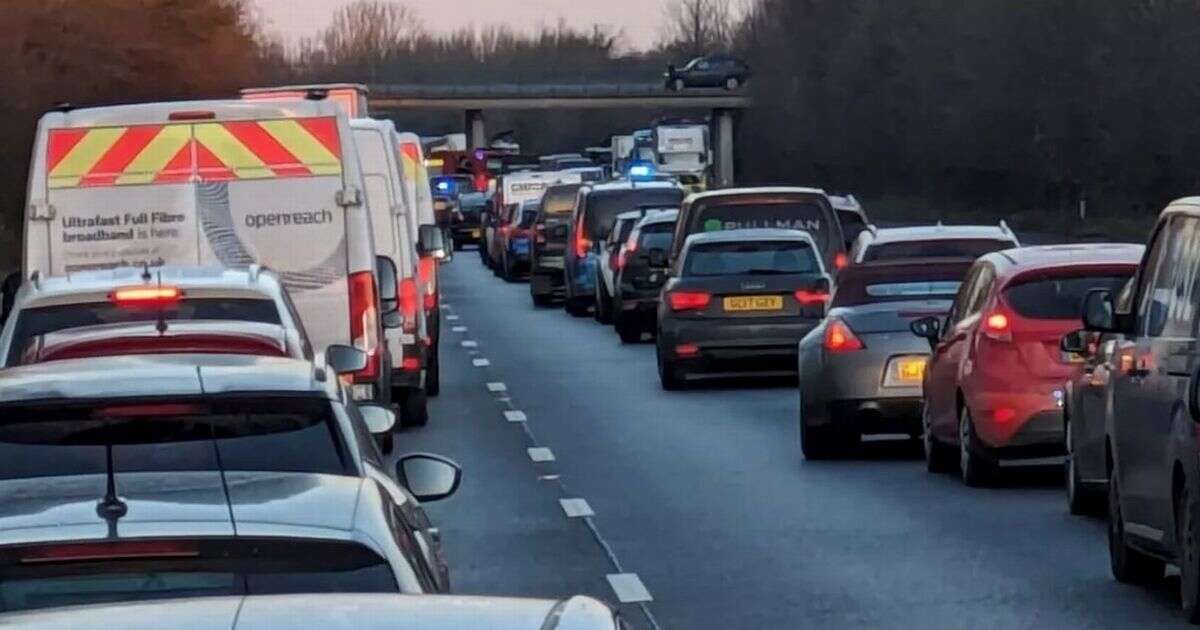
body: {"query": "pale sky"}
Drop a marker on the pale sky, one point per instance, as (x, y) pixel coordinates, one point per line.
(640, 20)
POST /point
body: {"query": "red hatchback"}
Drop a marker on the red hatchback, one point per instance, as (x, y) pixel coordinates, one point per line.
(994, 385)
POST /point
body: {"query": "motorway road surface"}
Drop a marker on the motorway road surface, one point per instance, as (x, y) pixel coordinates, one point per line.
(704, 497)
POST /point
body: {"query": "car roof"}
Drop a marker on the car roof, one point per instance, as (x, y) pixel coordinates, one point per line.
(373, 611)
(133, 376)
(151, 113)
(631, 215)
(662, 216)
(763, 190)
(755, 234)
(1017, 260)
(254, 279)
(628, 185)
(940, 232)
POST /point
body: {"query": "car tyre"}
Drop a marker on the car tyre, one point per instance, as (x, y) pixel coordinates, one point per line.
(974, 470)
(1081, 500)
(1129, 566)
(818, 443)
(604, 313)
(433, 373)
(732, 83)
(541, 299)
(671, 377)
(506, 269)
(678, 85)
(414, 409)
(386, 442)
(939, 458)
(628, 332)
(1186, 533)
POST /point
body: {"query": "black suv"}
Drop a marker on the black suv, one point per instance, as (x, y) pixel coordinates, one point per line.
(713, 71)
(1153, 438)
(641, 274)
(552, 231)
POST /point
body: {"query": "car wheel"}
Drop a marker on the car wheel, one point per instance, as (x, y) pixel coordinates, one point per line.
(604, 313)
(732, 83)
(433, 373)
(1080, 499)
(1189, 556)
(386, 442)
(506, 270)
(628, 332)
(668, 373)
(541, 299)
(414, 410)
(974, 470)
(678, 85)
(1129, 565)
(817, 443)
(938, 457)
(458, 245)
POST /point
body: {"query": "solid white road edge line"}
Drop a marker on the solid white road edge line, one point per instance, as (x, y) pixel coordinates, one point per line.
(515, 416)
(628, 588)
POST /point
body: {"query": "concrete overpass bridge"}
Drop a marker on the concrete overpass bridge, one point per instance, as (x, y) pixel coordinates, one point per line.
(475, 101)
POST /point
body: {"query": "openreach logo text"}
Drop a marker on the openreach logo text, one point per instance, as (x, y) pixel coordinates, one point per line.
(282, 219)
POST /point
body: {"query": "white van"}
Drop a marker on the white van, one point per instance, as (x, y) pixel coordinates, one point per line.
(206, 183)
(417, 190)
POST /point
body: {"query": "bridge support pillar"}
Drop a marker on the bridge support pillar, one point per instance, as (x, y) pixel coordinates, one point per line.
(723, 143)
(476, 132)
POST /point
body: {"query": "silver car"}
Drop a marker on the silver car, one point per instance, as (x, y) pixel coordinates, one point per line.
(330, 612)
(931, 241)
(144, 477)
(861, 369)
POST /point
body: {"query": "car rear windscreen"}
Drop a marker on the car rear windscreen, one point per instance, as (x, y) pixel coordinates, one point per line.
(899, 282)
(852, 225)
(751, 258)
(808, 216)
(936, 248)
(1058, 297)
(31, 577)
(656, 236)
(260, 434)
(603, 206)
(35, 322)
(559, 200)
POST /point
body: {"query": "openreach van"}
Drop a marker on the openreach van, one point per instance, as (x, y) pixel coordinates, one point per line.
(419, 196)
(682, 150)
(215, 183)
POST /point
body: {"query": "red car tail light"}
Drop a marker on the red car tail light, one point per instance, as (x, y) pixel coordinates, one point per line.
(628, 250)
(1004, 415)
(997, 327)
(808, 297)
(411, 364)
(582, 243)
(133, 297)
(687, 350)
(839, 337)
(364, 322)
(408, 305)
(688, 300)
(428, 270)
(108, 551)
(841, 261)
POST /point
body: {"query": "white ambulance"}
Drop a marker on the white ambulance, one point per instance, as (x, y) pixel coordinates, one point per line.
(215, 183)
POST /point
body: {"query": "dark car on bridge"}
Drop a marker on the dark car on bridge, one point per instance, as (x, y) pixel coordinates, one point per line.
(592, 219)
(738, 302)
(714, 71)
(552, 231)
(860, 369)
(641, 273)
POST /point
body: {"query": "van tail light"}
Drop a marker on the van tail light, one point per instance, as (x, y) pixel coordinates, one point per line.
(428, 270)
(481, 183)
(997, 327)
(408, 305)
(364, 322)
(841, 261)
(809, 297)
(622, 259)
(688, 300)
(411, 364)
(839, 337)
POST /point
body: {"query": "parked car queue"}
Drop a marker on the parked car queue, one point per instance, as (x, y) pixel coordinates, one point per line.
(956, 336)
(196, 399)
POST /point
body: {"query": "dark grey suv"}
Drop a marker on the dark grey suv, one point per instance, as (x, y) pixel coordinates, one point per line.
(1152, 435)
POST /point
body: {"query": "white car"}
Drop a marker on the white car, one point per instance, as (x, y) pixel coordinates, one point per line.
(610, 260)
(931, 241)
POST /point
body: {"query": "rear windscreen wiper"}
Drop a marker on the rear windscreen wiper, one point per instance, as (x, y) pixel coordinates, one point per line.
(768, 272)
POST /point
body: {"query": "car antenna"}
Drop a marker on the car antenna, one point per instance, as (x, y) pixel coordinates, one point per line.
(161, 325)
(146, 272)
(111, 508)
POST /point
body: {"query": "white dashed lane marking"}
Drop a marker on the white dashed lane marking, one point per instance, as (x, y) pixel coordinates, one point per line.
(515, 416)
(497, 387)
(459, 329)
(629, 588)
(576, 508)
(480, 362)
(540, 454)
(451, 318)
(470, 344)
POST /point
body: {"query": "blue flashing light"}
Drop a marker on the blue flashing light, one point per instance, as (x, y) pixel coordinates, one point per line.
(641, 171)
(443, 185)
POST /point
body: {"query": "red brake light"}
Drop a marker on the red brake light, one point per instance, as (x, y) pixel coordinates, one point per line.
(144, 411)
(505, 229)
(688, 300)
(808, 297)
(408, 304)
(364, 321)
(997, 327)
(1004, 414)
(687, 350)
(108, 551)
(145, 296)
(582, 243)
(192, 115)
(839, 337)
(841, 261)
(411, 364)
(427, 267)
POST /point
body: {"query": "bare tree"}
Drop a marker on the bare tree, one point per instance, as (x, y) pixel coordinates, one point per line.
(698, 27)
(367, 33)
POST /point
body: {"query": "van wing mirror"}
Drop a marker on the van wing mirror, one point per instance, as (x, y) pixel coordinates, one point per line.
(379, 419)
(344, 359)
(389, 298)
(430, 241)
(1099, 315)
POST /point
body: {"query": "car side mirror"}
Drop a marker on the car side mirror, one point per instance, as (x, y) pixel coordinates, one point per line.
(379, 419)
(1099, 315)
(430, 241)
(657, 258)
(428, 477)
(344, 359)
(928, 328)
(8, 295)
(389, 298)
(1075, 342)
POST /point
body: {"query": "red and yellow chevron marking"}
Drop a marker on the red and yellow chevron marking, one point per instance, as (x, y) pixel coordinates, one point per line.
(410, 155)
(207, 151)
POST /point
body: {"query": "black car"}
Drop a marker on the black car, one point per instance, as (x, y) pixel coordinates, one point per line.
(464, 223)
(739, 302)
(716, 71)
(641, 273)
(552, 231)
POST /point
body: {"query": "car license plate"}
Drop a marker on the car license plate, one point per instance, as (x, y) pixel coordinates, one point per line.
(1073, 357)
(910, 370)
(474, 233)
(744, 303)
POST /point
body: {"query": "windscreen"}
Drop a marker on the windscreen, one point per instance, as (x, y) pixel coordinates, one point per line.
(734, 214)
(35, 322)
(140, 570)
(259, 434)
(751, 258)
(656, 236)
(1058, 297)
(560, 200)
(603, 206)
(936, 248)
